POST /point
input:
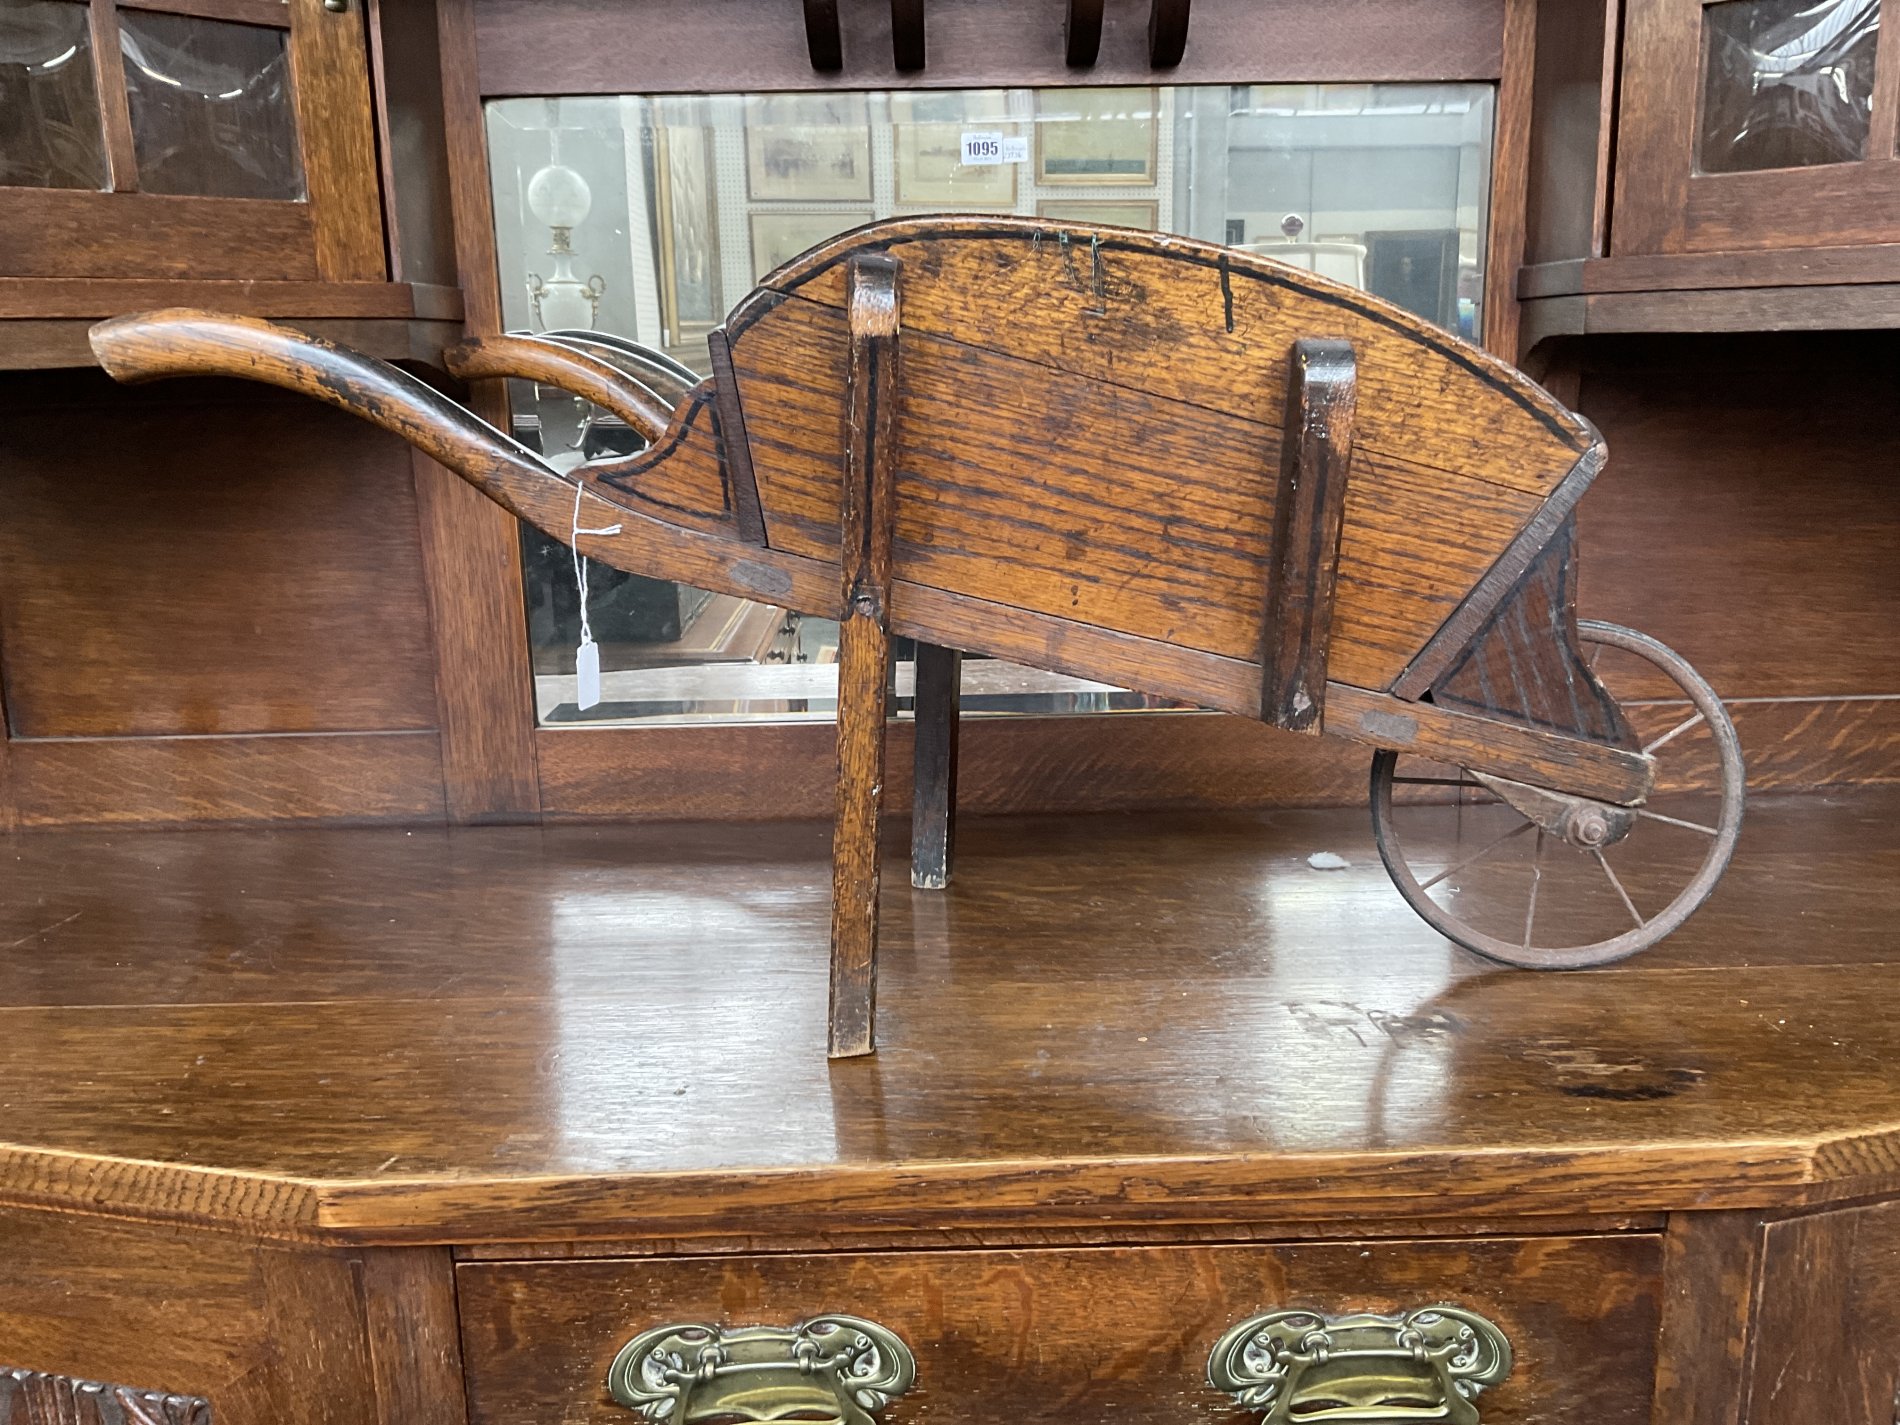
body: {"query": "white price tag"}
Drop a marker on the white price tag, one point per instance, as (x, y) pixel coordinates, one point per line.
(1015, 149)
(587, 676)
(982, 146)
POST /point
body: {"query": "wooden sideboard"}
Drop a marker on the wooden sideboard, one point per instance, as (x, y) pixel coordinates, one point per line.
(424, 1125)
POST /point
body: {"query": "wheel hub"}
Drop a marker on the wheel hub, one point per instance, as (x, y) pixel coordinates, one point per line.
(1581, 822)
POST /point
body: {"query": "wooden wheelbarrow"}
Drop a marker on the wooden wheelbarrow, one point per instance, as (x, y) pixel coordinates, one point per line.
(1141, 459)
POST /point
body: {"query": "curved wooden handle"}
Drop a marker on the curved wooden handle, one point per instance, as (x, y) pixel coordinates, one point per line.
(659, 373)
(181, 341)
(553, 363)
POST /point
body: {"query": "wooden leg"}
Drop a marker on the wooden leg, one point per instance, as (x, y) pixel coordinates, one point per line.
(864, 649)
(933, 814)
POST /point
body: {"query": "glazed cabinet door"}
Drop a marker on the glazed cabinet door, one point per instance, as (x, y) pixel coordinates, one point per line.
(187, 139)
(1554, 1330)
(1752, 124)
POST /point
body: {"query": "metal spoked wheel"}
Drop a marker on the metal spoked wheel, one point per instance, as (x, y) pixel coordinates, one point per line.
(1484, 874)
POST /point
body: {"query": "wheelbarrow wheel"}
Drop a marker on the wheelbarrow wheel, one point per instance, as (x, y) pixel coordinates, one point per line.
(1486, 876)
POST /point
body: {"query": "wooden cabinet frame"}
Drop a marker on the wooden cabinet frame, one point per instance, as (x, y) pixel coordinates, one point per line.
(335, 235)
(1664, 206)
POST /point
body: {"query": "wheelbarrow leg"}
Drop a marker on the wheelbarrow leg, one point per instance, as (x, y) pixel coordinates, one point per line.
(933, 808)
(864, 649)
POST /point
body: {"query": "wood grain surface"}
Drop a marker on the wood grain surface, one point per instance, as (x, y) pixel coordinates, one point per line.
(1825, 1340)
(1151, 510)
(510, 1034)
(1052, 1335)
(263, 1333)
(257, 576)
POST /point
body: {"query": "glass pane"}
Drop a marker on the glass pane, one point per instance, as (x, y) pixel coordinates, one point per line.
(50, 131)
(650, 217)
(211, 106)
(1786, 83)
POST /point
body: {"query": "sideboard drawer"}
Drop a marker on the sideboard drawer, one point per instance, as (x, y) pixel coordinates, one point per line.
(1077, 1334)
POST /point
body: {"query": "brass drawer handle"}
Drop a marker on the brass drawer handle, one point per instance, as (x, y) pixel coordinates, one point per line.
(842, 1366)
(1302, 1366)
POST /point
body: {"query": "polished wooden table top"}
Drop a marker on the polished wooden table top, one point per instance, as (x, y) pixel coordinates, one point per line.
(514, 1034)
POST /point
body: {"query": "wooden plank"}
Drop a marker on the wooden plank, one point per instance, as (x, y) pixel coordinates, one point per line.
(415, 1349)
(1508, 219)
(1784, 267)
(734, 448)
(244, 12)
(115, 109)
(1572, 123)
(1197, 323)
(873, 387)
(1315, 461)
(1711, 1267)
(262, 573)
(110, 297)
(52, 232)
(411, 124)
(472, 550)
(937, 729)
(329, 67)
(1454, 636)
(1185, 495)
(165, 781)
(679, 46)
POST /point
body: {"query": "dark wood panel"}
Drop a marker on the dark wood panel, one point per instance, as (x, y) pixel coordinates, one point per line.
(406, 73)
(1023, 1336)
(1511, 175)
(337, 130)
(269, 1336)
(569, 47)
(212, 563)
(38, 344)
(415, 1347)
(1712, 1262)
(137, 781)
(58, 233)
(1759, 544)
(1827, 1334)
(1568, 144)
(111, 297)
(1788, 267)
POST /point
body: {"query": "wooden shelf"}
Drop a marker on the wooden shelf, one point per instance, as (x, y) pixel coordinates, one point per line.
(532, 1033)
(44, 320)
(1791, 289)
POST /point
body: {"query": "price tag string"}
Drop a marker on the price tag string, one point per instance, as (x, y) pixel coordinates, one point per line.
(586, 658)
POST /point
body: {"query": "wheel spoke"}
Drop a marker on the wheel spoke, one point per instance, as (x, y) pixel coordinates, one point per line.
(1596, 652)
(1674, 732)
(1678, 821)
(1628, 904)
(1537, 879)
(1477, 856)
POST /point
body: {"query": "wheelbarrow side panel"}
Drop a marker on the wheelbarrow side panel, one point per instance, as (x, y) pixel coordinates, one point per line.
(1091, 433)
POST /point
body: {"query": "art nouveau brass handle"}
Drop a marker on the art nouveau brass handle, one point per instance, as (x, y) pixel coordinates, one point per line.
(1426, 1364)
(833, 1368)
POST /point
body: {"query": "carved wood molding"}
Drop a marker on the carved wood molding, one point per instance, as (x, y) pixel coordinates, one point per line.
(37, 1398)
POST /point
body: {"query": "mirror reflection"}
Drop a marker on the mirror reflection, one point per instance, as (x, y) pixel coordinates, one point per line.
(651, 216)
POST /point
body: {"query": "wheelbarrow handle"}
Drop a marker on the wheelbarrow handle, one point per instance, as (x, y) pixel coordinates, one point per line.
(182, 341)
(556, 363)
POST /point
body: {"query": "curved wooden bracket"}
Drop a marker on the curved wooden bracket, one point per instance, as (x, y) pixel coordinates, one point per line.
(553, 363)
(1082, 34)
(907, 35)
(1167, 32)
(659, 373)
(822, 39)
